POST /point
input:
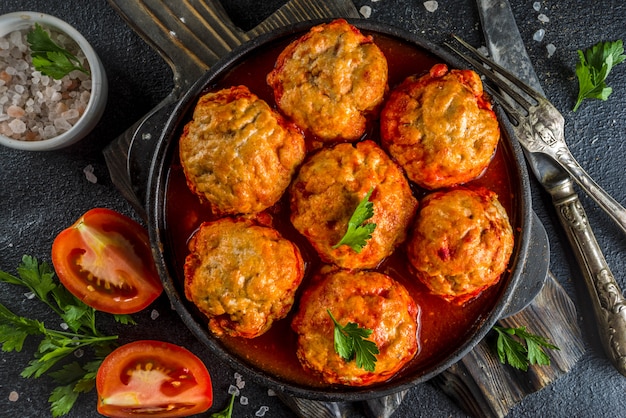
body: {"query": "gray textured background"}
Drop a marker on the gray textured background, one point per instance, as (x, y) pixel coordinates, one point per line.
(42, 193)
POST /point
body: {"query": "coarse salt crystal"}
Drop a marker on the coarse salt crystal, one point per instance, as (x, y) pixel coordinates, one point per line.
(15, 111)
(233, 390)
(551, 49)
(262, 410)
(70, 114)
(537, 6)
(365, 11)
(431, 6)
(61, 124)
(243, 400)
(154, 314)
(538, 36)
(543, 18)
(17, 126)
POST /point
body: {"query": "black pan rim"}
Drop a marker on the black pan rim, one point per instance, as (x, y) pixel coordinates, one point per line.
(155, 198)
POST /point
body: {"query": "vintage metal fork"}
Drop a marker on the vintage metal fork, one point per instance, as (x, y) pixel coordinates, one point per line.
(538, 126)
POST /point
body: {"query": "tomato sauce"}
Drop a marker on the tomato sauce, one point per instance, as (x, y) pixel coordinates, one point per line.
(443, 326)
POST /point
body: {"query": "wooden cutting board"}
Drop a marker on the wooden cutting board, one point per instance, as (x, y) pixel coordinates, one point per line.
(192, 38)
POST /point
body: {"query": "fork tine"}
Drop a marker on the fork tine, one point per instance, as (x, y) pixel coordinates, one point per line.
(498, 68)
(480, 61)
(504, 102)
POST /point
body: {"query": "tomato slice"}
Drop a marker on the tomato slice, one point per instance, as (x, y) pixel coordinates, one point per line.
(155, 379)
(105, 260)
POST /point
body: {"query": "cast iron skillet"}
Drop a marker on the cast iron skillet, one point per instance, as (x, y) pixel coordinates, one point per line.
(515, 290)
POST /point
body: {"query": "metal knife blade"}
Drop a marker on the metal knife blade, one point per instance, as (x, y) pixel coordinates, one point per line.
(506, 48)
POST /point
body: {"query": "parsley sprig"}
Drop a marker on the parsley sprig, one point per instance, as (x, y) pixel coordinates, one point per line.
(56, 345)
(351, 343)
(594, 67)
(226, 412)
(511, 350)
(358, 231)
(50, 58)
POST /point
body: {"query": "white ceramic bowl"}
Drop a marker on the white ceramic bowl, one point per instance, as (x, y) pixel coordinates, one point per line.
(99, 88)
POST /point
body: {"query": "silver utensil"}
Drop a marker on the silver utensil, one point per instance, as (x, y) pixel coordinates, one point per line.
(538, 125)
(540, 131)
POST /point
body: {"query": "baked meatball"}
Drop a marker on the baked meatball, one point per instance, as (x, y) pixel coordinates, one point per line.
(329, 187)
(242, 276)
(371, 300)
(237, 153)
(461, 242)
(329, 80)
(440, 127)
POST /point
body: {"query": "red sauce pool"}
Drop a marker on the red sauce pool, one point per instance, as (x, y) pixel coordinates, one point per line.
(444, 326)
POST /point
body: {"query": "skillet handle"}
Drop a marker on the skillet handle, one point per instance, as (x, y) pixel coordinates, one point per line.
(190, 38)
(129, 156)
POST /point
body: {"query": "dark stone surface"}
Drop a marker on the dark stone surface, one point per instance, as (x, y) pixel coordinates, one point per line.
(43, 193)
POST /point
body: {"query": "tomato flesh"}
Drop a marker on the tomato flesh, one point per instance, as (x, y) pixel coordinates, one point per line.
(153, 378)
(105, 260)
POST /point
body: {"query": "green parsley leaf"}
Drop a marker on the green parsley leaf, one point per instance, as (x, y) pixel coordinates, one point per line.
(594, 66)
(359, 232)
(55, 345)
(351, 342)
(512, 351)
(50, 58)
(226, 412)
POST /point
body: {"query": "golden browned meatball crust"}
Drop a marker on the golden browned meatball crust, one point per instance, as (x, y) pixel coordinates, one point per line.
(461, 242)
(440, 127)
(237, 153)
(371, 300)
(329, 187)
(242, 276)
(329, 80)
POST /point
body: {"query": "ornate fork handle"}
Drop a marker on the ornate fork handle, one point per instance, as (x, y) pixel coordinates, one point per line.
(542, 131)
(609, 305)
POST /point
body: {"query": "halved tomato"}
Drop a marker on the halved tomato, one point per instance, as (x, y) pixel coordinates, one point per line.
(105, 260)
(153, 378)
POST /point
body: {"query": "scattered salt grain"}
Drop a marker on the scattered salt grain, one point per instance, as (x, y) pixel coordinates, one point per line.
(79, 352)
(271, 393)
(243, 400)
(538, 36)
(261, 412)
(365, 11)
(64, 326)
(233, 390)
(431, 6)
(537, 6)
(551, 49)
(543, 18)
(13, 396)
(483, 50)
(29, 295)
(154, 314)
(28, 99)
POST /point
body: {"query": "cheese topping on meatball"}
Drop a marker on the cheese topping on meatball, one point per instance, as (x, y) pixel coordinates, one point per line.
(440, 127)
(373, 301)
(461, 244)
(237, 153)
(242, 276)
(328, 188)
(329, 80)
